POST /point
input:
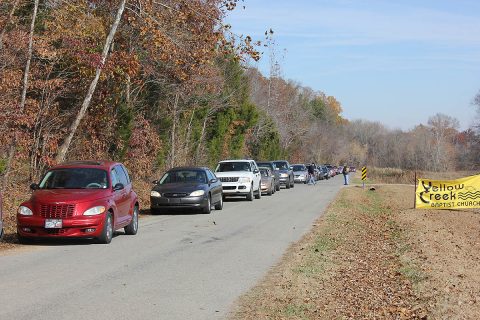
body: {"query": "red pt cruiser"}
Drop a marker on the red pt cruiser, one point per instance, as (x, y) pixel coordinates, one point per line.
(82, 199)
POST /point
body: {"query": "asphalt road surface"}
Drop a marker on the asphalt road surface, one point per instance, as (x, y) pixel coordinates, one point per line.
(177, 267)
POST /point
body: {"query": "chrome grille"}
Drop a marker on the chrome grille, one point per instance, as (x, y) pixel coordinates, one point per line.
(57, 210)
(175, 195)
(228, 179)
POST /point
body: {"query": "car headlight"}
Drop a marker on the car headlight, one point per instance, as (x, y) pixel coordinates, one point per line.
(197, 193)
(244, 180)
(25, 211)
(155, 194)
(94, 211)
(283, 175)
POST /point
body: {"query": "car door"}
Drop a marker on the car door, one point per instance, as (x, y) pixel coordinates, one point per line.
(216, 187)
(122, 196)
(257, 175)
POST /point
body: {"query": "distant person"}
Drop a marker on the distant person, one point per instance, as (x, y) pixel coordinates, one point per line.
(311, 174)
(345, 172)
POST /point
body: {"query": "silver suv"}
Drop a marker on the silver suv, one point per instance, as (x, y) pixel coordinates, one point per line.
(240, 178)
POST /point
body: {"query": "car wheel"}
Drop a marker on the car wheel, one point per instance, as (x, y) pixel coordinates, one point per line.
(132, 227)
(107, 233)
(287, 185)
(293, 184)
(208, 207)
(270, 191)
(250, 195)
(24, 240)
(277, 187)
(219, 205)
(259, 193)
(155, 211)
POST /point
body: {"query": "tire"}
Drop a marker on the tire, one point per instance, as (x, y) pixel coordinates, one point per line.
(293, 184)
(259, 193)
(24, 240)
(270, 191)
(155, 211)
(250, 195)
(277, 187)
(287, 185)
(107, 232)
(132, 227)
(208, 208)
(219, 205)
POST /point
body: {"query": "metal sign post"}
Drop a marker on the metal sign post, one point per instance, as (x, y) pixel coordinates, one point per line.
(415, 192)
(364, 176)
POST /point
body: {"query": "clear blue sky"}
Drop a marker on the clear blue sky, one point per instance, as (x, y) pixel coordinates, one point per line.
(397, 62)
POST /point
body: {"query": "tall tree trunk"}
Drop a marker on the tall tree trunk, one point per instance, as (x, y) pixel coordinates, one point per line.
(10, 16)
(26, 73)
(62, 151)
(186, 149)
(173, 132)
(202, 138)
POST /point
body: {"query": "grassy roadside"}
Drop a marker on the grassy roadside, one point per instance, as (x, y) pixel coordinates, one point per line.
(354, 264)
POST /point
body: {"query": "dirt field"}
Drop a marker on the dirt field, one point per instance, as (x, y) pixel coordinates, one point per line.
(373, 257)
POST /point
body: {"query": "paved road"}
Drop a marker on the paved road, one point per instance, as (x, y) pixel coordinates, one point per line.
(176, 267)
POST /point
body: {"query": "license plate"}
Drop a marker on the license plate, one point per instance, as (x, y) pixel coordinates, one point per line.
(53, 223)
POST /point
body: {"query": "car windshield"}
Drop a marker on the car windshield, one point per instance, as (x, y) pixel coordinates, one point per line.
(233, 166)
(264, 172)
(282, 165)
(266, 164)
(299, 168)
(184, 176)
(75, 178)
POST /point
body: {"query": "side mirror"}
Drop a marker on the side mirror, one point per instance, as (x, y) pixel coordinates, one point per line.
(291, 168)
(212, 181)
(34, 186)
(277, 169)
(256, 171)
(118, 186)
(155, 181)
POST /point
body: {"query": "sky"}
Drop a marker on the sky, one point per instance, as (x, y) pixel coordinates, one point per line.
(396, 62)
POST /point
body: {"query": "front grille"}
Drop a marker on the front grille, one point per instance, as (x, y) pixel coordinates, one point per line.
(55, 232)
(228, 179)
(175, 195)
(57, 210)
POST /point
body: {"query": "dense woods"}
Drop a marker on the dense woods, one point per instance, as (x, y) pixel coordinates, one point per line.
(157, 84)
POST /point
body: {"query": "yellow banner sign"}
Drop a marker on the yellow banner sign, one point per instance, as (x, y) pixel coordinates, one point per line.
(462, 193)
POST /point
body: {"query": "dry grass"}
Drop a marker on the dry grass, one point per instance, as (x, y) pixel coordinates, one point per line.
(400, 176)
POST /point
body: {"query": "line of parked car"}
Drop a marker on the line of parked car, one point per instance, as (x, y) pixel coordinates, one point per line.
(92, 199)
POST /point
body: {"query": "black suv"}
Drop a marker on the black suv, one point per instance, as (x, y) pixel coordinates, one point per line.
(286, 173)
